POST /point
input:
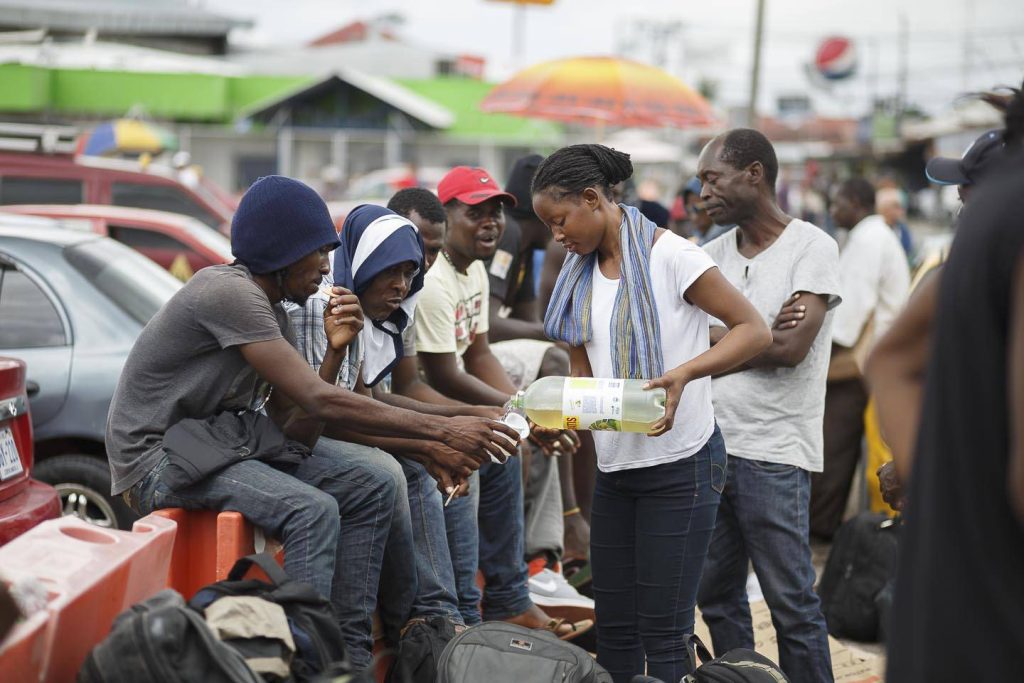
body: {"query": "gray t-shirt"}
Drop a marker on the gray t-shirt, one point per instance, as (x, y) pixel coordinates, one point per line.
(775, 414)
(186, 364)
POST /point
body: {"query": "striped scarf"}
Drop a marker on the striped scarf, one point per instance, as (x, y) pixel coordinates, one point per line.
(635, 330)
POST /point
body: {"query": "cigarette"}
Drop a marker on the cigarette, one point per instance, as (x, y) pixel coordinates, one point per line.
(329, 291)
(452, 494)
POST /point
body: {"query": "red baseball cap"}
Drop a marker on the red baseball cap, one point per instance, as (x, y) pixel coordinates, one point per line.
(470, 186)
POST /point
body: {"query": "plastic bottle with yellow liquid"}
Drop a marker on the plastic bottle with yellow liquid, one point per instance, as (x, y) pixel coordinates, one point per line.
(612, 405)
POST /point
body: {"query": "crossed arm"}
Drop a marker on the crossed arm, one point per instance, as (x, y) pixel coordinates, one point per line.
(793, 332)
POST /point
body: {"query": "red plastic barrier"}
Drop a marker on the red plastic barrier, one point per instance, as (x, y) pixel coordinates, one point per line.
(91, 575)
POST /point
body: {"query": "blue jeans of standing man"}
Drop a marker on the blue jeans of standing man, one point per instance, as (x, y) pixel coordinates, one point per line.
(502, 544)
(333, 512)
(763, 519)
(649, 535)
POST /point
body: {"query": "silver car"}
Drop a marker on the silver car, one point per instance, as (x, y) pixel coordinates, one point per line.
(71, 305)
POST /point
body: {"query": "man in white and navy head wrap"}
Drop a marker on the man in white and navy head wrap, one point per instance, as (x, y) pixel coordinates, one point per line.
(381, 261)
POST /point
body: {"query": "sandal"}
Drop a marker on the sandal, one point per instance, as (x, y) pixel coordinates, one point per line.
(567, 630)
(577, 572)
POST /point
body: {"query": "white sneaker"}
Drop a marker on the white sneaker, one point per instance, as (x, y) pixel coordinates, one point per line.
(551, 592)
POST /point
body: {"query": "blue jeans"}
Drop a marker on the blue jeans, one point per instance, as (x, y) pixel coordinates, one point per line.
(763, 519)
(649, 535)
(436, 594)
(460, 519)
(500, 517)
(333, 513)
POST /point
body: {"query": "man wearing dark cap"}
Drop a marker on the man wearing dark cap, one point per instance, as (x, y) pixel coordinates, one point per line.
(909, 342)
(185, 427)
(452, 325)
(966, 171)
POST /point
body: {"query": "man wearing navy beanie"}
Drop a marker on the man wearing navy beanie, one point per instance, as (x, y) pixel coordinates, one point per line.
(205, 366)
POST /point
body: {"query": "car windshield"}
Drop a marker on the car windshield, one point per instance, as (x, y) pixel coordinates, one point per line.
(138, 286)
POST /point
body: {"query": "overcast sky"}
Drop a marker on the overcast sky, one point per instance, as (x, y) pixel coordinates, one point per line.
(715, 39)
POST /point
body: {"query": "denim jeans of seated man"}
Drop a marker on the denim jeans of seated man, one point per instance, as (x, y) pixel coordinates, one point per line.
(502, 540)
(463, 535)
(436, 594)
(763, 520)
(333, 512)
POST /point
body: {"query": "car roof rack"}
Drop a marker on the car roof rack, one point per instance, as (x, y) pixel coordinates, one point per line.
(38, 138)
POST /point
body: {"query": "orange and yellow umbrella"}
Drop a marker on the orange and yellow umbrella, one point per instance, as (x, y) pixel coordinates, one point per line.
(601, 91)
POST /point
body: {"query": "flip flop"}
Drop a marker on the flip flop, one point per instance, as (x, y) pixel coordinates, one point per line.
(575, 629)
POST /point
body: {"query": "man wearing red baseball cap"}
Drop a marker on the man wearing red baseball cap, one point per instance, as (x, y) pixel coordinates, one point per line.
(454, 353)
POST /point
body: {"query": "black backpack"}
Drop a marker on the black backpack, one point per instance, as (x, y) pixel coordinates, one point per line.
(419, 651)
(735, 666)
(160, 639)
(861, 562)
(496, 652)
(318, 642)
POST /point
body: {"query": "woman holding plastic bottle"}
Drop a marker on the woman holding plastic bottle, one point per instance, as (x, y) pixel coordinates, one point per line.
(632, 300)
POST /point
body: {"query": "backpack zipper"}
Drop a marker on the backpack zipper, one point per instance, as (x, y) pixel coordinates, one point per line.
(756, 665)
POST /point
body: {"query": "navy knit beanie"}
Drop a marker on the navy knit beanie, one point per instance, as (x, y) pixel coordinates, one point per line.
(279, 221)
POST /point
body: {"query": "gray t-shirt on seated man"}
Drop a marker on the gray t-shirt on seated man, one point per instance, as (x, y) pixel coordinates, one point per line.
(775, 414)
(186, 364)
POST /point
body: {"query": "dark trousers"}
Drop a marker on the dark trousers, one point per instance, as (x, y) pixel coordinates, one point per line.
(845, 402)
(649, 537)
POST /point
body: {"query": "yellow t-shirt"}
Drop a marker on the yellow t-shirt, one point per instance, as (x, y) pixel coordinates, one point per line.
(452, 309)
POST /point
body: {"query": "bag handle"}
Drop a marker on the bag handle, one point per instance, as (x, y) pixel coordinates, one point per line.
(265, 562)
(696, 648)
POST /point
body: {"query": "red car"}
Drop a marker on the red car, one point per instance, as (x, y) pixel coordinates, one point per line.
(34, 178)
(24, 502)
(179, 243)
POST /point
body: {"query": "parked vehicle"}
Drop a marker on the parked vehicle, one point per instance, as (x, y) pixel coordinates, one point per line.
(72, 303)
(180, 244)
(377, 187)
(24, 502)
(35, 178)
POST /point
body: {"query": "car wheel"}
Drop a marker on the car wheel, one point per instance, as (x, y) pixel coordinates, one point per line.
(83, 482)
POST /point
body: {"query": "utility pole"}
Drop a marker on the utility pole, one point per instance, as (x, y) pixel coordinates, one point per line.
(904, 69)
(518, 35)
(755, 72)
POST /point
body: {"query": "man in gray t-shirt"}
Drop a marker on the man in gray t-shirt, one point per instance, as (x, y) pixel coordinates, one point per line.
(210, 351)
(770, 409)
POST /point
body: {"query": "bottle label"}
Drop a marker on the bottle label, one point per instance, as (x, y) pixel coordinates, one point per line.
(590, 403)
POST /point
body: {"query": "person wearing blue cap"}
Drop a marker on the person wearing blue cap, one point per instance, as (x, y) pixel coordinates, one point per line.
(207, 365)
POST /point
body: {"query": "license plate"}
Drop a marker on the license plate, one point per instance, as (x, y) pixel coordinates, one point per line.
(10, 461)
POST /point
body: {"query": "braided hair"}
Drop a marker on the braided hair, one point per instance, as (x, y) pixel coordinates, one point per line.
(1011, 104)
(574, 168)
(1015, 118)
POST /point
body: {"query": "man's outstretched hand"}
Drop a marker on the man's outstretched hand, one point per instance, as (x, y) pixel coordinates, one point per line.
(473, 435)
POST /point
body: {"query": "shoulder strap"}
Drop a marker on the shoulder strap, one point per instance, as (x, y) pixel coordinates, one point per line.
(265, 562)
(697, 650)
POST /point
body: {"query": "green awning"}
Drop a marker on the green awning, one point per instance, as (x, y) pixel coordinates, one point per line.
(463, 96)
